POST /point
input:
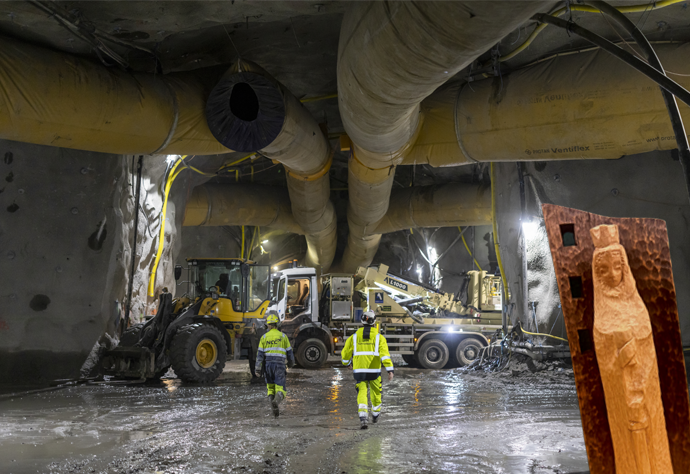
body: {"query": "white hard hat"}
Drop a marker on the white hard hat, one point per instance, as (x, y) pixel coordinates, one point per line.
(368, 318)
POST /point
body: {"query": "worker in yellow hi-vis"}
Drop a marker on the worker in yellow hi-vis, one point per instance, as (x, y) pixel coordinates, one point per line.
(366, 350)
(274, 352)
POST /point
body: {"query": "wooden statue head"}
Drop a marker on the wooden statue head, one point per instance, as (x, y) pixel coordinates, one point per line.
(611, 271)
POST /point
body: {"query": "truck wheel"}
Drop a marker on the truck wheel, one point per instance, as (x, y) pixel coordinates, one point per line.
(312, 353)
(410, 360)
(468, 351)
(198, 353)
(131, 335)
(433, 354)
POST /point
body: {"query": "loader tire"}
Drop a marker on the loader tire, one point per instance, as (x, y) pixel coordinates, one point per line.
(433, 354)
(198, 353)
(131, 335)
(468, 351)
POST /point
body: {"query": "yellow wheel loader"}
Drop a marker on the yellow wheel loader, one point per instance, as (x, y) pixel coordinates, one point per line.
(225, 303)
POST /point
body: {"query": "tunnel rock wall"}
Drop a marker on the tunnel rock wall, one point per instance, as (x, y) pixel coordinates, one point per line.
(62, 277)
(646, 185)
(65, 247)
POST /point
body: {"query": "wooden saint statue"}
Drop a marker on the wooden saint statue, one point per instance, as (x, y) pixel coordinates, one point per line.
(627, 361)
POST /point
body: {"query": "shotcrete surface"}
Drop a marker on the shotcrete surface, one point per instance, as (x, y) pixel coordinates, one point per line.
(433, 421)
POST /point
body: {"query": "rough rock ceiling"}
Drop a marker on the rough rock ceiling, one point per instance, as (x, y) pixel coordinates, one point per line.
(296, 41)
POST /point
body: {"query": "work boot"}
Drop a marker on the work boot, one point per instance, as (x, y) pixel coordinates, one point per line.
(280, 396)
(363, 424)
(375, 418)
(274, 405)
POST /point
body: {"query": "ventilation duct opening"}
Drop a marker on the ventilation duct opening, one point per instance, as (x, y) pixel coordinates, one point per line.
(246, 108)
(283, 130)
(244, 103)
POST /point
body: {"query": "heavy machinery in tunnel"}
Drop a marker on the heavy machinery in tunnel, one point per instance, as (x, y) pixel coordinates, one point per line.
(425, 326)
(225, 302)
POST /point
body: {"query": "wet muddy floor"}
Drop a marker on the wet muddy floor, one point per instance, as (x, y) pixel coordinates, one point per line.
(433, 421)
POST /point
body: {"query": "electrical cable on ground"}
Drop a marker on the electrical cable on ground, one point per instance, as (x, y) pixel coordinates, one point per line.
(542, 334)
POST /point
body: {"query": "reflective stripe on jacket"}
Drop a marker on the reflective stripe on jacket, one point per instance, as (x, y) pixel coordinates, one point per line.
(367, 355)
(274, 346)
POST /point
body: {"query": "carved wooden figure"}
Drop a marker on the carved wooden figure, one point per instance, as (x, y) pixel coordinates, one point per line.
(627, 361)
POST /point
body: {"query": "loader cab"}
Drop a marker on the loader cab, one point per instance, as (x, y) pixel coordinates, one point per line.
(242, 287)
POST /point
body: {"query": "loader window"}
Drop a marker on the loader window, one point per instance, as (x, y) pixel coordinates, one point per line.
(257, 286)
(226, 276)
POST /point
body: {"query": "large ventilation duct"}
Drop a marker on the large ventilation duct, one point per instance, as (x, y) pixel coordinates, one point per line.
(582, 106)
(240, 204)
(447, 205)
(248, 110)
(51, 98)
(391, 56)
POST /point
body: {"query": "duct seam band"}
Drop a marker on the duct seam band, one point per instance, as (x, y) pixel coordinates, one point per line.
(457, 128)
(389, 167)
(318, 174)
(173, 127)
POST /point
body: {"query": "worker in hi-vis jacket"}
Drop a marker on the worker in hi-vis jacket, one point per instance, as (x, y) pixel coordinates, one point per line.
(274, 352)
(366, 350)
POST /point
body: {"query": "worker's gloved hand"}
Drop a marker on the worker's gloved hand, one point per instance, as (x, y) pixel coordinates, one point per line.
(390, 376)
(290, 365)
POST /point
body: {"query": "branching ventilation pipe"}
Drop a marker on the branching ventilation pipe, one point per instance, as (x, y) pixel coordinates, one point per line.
(248, 110)
(448, 205)
(583, 106)
(51, 98)
(391, 56)
(240, 204)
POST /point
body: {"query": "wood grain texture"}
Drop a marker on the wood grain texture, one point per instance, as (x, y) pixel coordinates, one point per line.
(627, 361)
(646, 245)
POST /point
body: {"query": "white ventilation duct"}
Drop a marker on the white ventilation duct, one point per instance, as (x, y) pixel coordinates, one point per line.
(391, 56)
(249, 110)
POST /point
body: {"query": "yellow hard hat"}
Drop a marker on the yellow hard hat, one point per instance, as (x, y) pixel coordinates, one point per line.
(272, 319)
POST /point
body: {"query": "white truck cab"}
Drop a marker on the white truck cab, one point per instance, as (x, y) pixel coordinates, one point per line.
(295, 299)
(295, 294)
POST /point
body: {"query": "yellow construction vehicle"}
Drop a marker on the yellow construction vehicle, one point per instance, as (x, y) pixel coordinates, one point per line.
(223, 310)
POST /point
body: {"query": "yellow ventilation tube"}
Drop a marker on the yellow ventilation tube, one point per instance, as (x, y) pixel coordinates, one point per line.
(240, 204)
(584, 106)
(448, 205)
(51, 98)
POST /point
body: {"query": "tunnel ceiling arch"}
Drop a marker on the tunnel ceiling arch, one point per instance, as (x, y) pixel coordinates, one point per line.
(296, 42)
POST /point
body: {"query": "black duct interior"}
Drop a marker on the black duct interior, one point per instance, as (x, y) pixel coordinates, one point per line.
(245, 111)
(244, 103)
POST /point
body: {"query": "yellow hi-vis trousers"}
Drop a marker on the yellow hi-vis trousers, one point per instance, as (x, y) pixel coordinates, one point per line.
(274, 388)
(375, 392)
